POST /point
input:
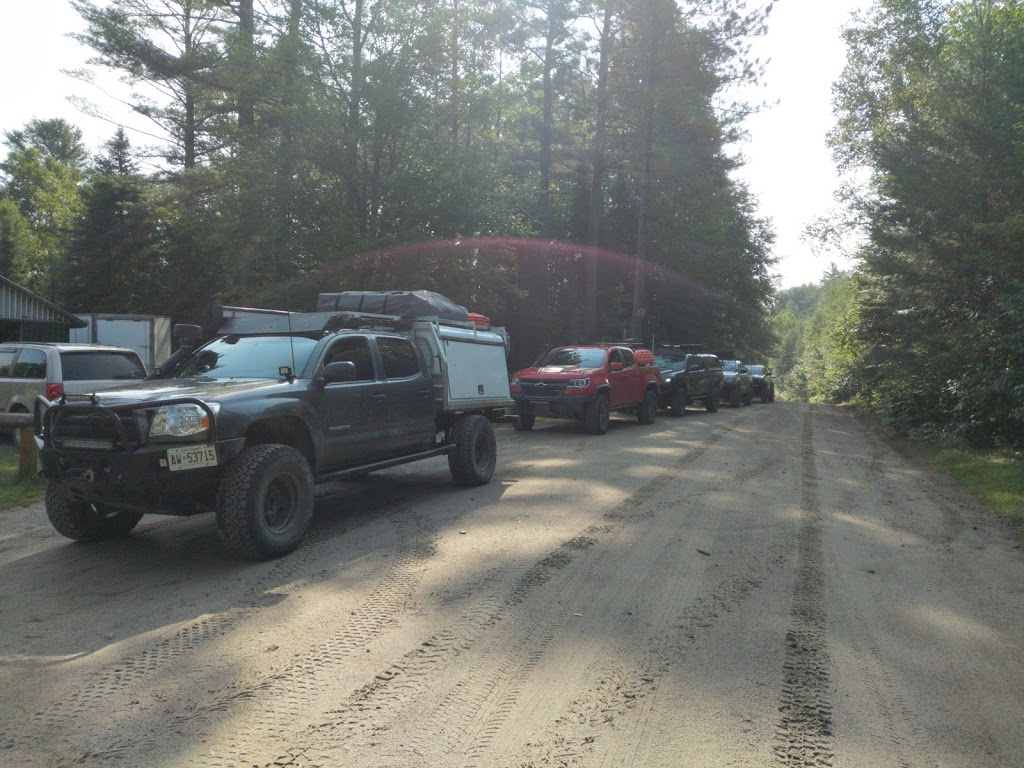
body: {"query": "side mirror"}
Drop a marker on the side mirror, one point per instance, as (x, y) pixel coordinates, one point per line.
(344, 370)
(617, 366)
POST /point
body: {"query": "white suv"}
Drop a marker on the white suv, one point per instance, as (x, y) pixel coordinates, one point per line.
(53, 370)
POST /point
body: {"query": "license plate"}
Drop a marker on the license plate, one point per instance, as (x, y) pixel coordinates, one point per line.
(191, 457)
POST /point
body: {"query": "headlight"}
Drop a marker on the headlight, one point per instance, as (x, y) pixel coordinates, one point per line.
(515, 381)
(578, 384)
(177, 421)
(668, 381)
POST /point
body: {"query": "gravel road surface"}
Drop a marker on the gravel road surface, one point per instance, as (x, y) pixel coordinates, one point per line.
(771, 585)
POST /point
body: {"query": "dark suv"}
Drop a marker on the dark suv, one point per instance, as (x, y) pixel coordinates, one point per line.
(688, 376)
(764, 387)
(739, 385)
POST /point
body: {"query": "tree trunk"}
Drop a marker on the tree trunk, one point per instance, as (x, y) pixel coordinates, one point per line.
(597, 183)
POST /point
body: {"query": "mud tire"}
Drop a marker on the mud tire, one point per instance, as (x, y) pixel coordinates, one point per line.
(598, 415)
(677, 405)
(81, 521)
(647, 411)
(265, 502)
(523, 422)
(475, 454)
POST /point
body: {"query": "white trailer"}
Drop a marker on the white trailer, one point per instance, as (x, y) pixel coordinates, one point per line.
(149, 335)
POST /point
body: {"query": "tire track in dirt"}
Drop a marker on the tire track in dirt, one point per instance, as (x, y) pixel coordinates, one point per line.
(803, 736)
(394, 687)
(621, 696)
(122, 676)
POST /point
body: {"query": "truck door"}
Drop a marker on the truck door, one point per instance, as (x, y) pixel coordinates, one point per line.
(409, 396)
(626, 384)
(355, 409)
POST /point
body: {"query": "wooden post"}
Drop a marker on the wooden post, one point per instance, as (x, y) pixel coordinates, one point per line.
(28, 454)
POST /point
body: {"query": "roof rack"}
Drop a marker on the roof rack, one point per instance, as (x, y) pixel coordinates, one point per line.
(678, 349)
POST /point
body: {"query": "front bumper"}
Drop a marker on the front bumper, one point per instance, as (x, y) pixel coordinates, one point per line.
(559, 407)
(139, 478)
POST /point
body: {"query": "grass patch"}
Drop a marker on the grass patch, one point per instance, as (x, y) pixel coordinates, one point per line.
(995, 479)
(15, 492)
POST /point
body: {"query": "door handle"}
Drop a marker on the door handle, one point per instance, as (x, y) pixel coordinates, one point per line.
(379, 397)
(426, 394)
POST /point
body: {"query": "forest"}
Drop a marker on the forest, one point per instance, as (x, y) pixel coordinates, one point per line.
(564, 167)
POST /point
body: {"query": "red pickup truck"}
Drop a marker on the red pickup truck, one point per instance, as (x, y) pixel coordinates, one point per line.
(587, 382)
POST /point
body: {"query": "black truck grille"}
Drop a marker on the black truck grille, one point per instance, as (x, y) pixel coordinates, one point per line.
(542, 388)
(98, 429)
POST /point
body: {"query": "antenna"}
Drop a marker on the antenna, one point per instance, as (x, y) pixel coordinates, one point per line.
(291, 337)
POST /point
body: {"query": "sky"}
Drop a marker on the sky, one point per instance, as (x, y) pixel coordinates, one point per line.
(789, 168)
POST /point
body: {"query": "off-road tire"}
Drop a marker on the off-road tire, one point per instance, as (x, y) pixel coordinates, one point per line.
(734, 397)
(711, 401)
(677, 405)
(475, 454)
(647, 411)
(764, 397)
(748, 398)
(597, 415)
(523, 422)
(81, 521)
(265, 502)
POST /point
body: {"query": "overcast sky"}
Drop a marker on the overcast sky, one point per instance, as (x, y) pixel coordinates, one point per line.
(789, 168)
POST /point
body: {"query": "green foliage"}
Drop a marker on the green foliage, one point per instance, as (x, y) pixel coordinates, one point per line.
(15, 492)
(931, 103)
(454, 147)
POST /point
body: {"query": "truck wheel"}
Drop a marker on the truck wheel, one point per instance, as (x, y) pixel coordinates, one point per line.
(265, 502)
(597, 416)
(748, 398)
(764, 397)
(734, 397)
(472, 460)
(648, 410)
(82, 521)
(523, 422)
(711, 402)
(678, 402)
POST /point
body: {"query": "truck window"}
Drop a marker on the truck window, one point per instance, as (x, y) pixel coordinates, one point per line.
(627, 358)
(353, 349)
(400, 359)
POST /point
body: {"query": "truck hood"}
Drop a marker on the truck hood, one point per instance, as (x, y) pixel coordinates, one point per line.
(555, 372)
(169, 389)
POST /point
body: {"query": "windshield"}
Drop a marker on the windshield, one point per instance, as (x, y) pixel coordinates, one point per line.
(99, 366)
(755, 370)
(571, 357)
(667, 363)
(731, 366)
(248, 357)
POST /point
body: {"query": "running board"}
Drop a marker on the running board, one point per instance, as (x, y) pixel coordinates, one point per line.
(341, 474)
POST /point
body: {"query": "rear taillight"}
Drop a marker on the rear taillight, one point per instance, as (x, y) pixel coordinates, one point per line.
(54, 392)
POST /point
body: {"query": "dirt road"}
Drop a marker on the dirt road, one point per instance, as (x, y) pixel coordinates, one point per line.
(769, 585)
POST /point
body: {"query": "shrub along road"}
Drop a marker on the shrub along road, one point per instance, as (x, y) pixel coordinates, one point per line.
(769, 585)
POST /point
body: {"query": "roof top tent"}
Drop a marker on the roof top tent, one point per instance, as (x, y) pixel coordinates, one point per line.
(24, 316)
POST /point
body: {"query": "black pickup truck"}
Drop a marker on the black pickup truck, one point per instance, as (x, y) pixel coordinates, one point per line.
(688, 375)
(247, 423)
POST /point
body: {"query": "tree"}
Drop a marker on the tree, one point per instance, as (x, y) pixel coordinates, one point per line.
(112, 263)
(930, 103)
